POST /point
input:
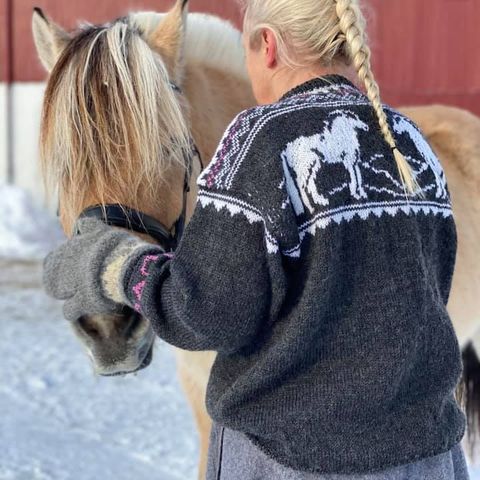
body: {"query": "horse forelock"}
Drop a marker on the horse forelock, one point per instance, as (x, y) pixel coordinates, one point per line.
(111, 125)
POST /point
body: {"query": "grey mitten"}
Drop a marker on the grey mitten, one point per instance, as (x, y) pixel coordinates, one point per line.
(75, 272)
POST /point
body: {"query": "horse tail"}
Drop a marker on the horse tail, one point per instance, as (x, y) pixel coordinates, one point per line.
(469, 393)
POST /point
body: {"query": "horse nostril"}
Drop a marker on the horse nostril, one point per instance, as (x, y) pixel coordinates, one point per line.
(134, 320)
(88, 328)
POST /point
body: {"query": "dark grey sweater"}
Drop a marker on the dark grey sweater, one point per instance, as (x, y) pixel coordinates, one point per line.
(320, 284)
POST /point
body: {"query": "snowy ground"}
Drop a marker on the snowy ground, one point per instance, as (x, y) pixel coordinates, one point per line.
(26, 230)
(57, 420)
(60, 422)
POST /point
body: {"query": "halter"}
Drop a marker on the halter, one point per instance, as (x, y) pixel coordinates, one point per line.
(121, 216)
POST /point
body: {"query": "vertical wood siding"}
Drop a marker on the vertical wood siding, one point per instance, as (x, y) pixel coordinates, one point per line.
(4, 41)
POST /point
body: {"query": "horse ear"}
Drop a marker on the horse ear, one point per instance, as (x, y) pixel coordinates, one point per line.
(50, 39)
(168, 38)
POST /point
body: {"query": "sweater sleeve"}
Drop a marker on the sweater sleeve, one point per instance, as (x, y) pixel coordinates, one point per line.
(216, 291)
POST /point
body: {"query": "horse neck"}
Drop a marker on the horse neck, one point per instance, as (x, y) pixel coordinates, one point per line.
(215, 97)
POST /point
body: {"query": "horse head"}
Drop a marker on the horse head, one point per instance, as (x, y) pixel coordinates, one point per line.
(115, 129)
(349, 119)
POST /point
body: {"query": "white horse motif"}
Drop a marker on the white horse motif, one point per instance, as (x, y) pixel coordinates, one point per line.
(338, 143)
(401, 125)
(302, 158)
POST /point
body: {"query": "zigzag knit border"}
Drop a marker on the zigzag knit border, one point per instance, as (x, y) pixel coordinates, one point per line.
(322, 220)
(235, 206)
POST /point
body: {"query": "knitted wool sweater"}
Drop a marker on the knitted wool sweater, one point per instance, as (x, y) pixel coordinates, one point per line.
(320, 284)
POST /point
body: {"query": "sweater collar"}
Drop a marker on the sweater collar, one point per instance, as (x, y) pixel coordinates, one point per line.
(320, 83)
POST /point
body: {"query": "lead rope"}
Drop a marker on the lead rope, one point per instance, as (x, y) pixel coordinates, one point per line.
(180, 224)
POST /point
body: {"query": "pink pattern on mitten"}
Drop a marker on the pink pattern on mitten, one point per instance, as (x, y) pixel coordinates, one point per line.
(144, 271)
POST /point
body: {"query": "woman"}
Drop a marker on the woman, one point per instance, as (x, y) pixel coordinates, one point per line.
(317, 263)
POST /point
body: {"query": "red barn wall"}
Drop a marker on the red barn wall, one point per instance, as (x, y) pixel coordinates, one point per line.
(425, 51)
(68, 14)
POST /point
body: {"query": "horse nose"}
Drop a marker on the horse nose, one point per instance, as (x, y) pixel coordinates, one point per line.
(116, 328)
(132, 323)
(89, 328)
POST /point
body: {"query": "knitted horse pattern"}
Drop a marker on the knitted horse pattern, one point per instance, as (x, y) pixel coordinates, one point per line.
(341, 171)
(401, 126)
(338, 143)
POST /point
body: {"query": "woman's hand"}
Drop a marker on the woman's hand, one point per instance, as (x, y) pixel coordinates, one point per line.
(86, 271)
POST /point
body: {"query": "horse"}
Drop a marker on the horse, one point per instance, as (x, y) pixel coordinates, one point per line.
(454, 135)
(123, 102)
(122, 105)
(338, 143)
(401, 126)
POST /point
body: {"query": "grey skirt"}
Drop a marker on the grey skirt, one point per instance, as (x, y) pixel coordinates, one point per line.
(232, 456)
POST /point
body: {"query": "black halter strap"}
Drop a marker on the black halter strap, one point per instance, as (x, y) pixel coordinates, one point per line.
(131, 219)
(124, 217)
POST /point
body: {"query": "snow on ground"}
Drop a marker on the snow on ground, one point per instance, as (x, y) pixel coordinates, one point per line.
(26, 230)
(57, 420)
(60, 422)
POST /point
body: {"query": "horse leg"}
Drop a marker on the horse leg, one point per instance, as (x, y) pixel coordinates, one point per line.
(292, 189)
(443, 185)
(313, 190)
(316, 196)
(193, 370)
(439, 181)
(469, 394)
(353, 182)
(304, 193)
(359, 181)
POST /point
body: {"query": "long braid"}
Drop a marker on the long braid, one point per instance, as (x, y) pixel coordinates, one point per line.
(352, 24)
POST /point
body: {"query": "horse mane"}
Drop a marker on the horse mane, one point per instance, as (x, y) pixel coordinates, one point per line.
(112, 126)
(210, 41)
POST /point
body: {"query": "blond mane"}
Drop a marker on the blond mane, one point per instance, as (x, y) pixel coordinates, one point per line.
(112, 125)
(210, 41)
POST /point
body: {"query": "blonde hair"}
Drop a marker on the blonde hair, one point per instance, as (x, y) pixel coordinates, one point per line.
(324, 31)
(111, 123)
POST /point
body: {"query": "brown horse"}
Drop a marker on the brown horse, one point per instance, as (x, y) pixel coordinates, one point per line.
(114, 129)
